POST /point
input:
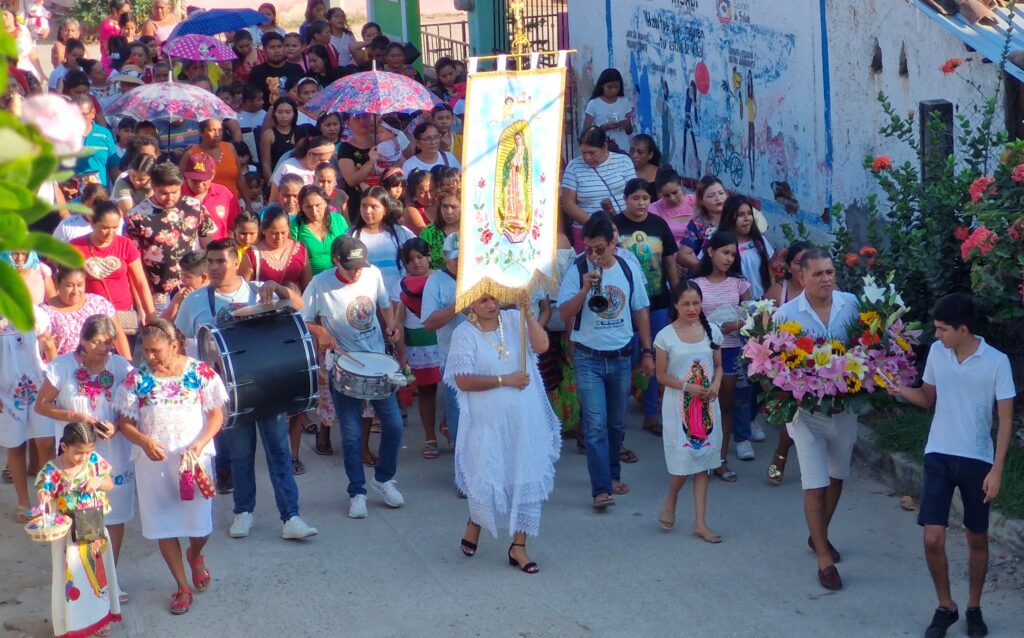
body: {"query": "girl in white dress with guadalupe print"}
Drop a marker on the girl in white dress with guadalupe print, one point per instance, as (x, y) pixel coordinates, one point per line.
(688, 360)
(169, 405)
(80, 387)
(509, 438)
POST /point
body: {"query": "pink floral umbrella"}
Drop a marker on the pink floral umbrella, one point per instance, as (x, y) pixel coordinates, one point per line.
(170, 101)
(375, 92)
(199, 47)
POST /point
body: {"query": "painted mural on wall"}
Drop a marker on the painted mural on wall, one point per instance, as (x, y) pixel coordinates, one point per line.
(731, 88)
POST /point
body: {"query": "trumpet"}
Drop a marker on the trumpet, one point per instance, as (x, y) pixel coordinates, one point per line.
(598, 301)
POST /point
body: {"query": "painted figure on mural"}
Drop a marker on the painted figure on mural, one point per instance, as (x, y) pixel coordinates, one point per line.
(667, 124)
(691, 118)
(513, 182)
(751, 114)
(737, 87)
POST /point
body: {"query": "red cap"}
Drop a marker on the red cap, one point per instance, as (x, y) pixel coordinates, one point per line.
(200, 166)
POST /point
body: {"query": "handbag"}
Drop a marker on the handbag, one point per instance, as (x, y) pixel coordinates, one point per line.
(87, 525)
(203, 480)
(127, 319)
(186, 479)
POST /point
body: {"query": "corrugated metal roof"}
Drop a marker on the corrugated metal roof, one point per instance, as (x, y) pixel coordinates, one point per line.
(985, 39)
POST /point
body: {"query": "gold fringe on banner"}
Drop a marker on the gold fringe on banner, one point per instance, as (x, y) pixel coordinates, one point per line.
(504, 294)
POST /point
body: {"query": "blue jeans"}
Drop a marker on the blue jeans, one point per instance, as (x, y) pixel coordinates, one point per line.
(350, 417)
(742, 404)
(242, 441)
(659, 319)
(451, 411)
(222, 462)
(603, 387)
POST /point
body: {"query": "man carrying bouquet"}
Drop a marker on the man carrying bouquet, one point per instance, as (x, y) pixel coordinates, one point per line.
(824, 442)
(962, 378)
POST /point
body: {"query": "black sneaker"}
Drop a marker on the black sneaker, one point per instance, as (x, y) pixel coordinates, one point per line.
(976, 626)
(225, 485)
(941, 621)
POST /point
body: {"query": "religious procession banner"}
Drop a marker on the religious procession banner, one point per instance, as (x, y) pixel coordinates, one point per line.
(512, 143)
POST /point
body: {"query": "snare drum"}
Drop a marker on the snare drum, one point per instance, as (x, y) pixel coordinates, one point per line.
(366, 375)
(267, 362)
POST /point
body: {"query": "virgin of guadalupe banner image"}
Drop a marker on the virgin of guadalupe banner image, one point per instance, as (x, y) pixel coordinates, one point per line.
(512, 144)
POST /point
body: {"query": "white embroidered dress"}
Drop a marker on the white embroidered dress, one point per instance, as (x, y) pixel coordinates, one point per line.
(509, 439)
(21, 377)
(63, 373)
(172, 411)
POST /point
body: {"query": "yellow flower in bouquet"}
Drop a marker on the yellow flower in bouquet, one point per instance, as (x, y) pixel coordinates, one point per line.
(871, 320)
(837, 347)
(853, 385)
(822, 355)
(792, 327)
(903, 344)
(855, 366)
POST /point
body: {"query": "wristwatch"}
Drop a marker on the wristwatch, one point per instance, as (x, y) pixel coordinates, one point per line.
(649, 351)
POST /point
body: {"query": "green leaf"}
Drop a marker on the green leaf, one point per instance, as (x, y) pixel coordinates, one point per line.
(55, 249)
(15, 196)
(13, 230)
(15, 300)
(36, 211)
(8, 48)
(14, 147)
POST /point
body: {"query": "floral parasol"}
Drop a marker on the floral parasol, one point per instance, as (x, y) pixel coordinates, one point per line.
(170, 101)
(376, 92)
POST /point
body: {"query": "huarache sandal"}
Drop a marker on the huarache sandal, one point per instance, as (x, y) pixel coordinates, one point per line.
(529, 568)
(430, 450)
(468, 547)
(200, 573)
(181, 600)
(298, 468)
(708, 536)
(667, 520)
(24, 515)
(602, 501)
(776, 469)
(628, 456)
(723, 472)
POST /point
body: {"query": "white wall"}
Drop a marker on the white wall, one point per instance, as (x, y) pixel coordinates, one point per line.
(780, 41)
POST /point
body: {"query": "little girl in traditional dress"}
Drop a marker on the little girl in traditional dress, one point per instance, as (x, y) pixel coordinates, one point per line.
(688, 360)
(84, 594)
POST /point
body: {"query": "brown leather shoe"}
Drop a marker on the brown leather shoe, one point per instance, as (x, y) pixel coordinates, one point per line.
(832, 551)
(829, 578)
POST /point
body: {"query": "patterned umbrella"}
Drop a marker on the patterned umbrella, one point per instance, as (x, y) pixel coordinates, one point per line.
(377, 92)
(170, 101)
(217, 21)
(199, 47)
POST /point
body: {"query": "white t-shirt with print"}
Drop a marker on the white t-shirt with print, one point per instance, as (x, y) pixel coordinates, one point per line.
(964, 394)
(603, 113)
(612, 329)
(348, 311)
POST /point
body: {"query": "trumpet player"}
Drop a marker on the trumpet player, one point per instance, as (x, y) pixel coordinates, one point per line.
(604, 300)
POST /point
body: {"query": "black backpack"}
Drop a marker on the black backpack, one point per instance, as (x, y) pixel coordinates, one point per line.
(581, 268)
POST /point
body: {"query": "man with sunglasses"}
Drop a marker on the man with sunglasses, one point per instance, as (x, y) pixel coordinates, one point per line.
(605, 304)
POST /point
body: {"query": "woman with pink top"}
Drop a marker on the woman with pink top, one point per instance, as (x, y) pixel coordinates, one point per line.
(674, 205)
(111, 27)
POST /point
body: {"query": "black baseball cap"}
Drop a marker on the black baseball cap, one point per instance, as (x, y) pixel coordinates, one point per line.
(350, 253)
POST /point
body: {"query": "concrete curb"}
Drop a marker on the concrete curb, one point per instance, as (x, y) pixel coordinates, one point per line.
(905, 475)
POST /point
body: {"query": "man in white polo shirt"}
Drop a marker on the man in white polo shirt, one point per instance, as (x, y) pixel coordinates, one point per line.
(963, 377)
(824, 443)
(344, 308)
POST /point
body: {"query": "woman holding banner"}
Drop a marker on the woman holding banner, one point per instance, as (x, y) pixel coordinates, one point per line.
(509, 437)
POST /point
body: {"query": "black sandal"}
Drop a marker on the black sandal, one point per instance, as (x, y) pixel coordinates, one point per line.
(468, 548)
(529, 568)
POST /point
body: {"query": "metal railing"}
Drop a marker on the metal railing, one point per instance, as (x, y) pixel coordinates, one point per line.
(442, 39)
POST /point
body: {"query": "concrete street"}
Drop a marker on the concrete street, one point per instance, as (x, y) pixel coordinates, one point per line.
(400, 572)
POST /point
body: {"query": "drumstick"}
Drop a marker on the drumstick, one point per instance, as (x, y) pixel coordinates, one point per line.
(353, 359)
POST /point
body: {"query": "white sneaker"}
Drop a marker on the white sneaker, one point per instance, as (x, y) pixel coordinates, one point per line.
(296, 528)
(757, 432)
(240, 528)
(357, 506)
(389, 490)
(745, 451)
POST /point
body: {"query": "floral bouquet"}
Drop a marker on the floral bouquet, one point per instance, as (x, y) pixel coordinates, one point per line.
(884, 337)
(799, 371)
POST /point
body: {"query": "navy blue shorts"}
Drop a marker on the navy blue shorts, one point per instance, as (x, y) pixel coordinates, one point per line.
(944, 473)
(729, 359)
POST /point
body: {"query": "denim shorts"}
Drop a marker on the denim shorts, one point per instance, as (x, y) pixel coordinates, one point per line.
(730, 356)
(944, 473)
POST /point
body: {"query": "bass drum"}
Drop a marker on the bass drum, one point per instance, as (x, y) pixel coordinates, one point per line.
(267, 362)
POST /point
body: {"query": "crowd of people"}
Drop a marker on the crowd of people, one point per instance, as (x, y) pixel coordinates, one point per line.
(353, 219)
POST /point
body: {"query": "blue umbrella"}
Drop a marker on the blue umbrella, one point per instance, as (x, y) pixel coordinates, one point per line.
(217, 21)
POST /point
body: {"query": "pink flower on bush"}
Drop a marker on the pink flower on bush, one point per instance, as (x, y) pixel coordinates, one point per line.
(59, 121)
(982, 239)
(1017, 174)
(979, 186)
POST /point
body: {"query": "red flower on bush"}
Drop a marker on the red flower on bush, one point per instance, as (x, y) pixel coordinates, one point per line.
(852, 260)
(881, 163)
(1016, 229)
(982, 239)
(961, 233)
(950, 65)
(868, 252)
(1017, 174)
(979, 186)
